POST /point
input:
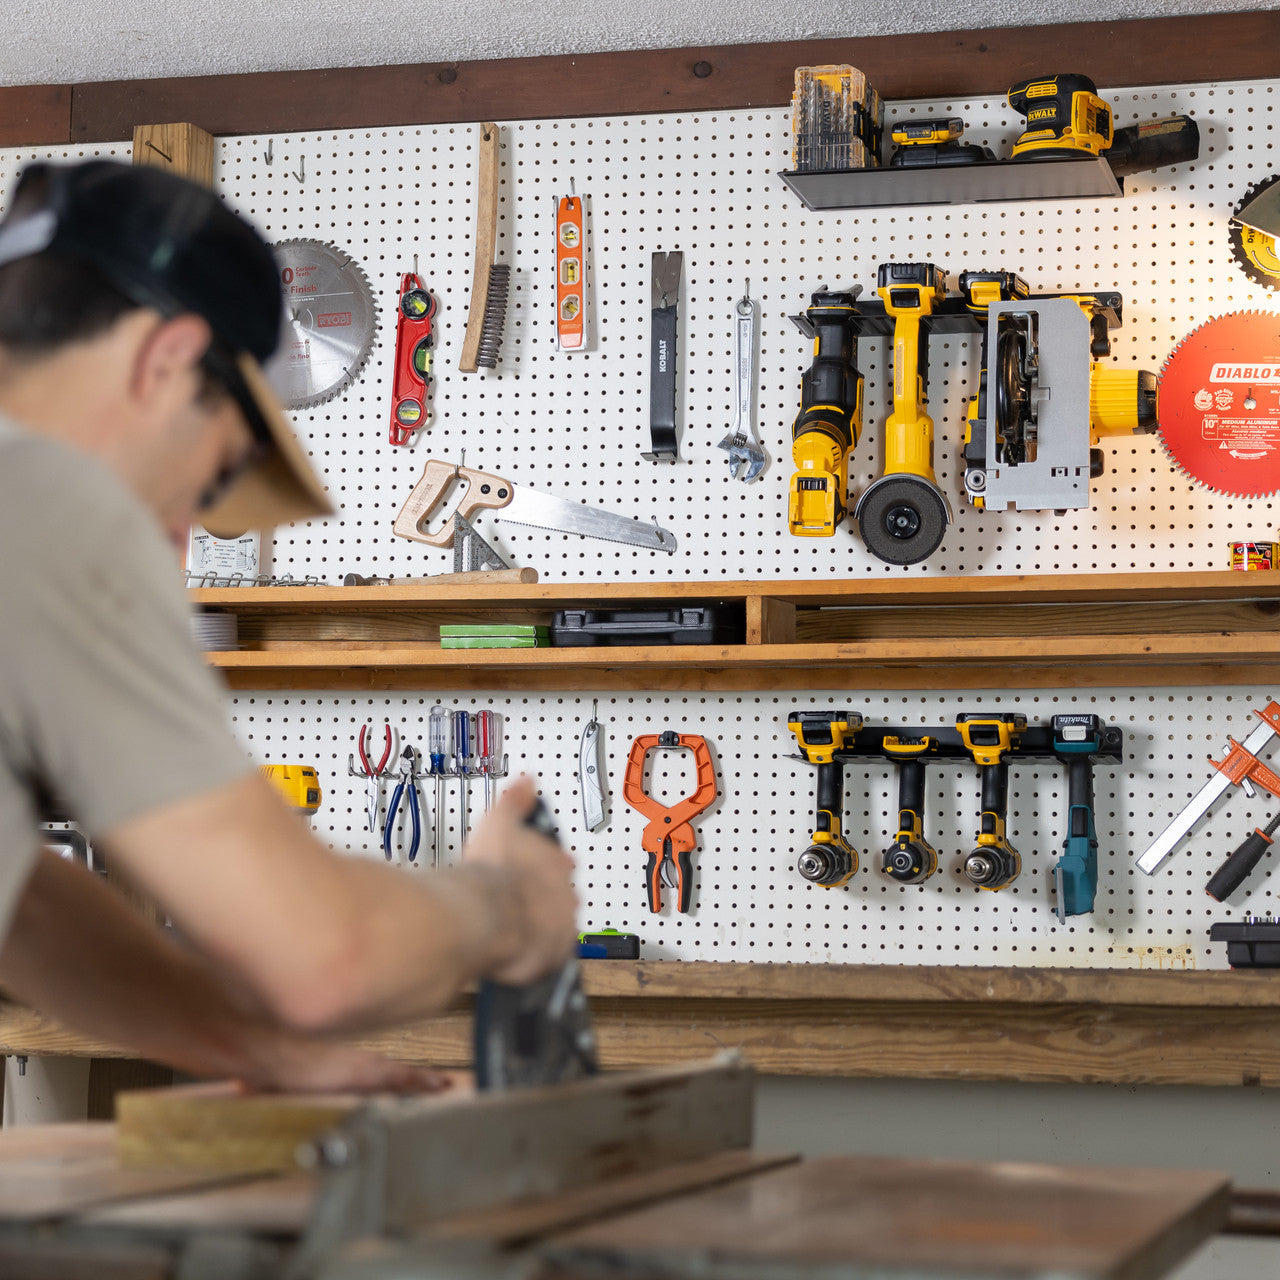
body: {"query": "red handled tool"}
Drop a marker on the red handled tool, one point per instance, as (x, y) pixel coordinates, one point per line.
(669, 838)
(414, 341)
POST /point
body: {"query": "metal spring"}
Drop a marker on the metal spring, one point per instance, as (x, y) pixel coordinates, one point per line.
(495, 314)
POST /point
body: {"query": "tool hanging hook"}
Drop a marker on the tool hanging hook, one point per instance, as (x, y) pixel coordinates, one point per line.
(269, 155)
(301, 175)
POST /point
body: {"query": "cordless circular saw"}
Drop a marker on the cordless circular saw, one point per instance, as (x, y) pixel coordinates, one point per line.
(1218, 404)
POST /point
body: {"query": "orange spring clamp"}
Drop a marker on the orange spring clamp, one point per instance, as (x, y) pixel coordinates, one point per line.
(669, 838)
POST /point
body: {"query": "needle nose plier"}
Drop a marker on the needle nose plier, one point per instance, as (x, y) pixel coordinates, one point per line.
(407, 789)
(371, 772)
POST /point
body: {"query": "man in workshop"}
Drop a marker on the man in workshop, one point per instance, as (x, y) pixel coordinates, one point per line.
(135, 312)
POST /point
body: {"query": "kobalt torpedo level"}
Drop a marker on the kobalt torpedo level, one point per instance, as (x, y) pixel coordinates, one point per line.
(1241, 766)
(571, 274)
(414, 342)
(830, 860)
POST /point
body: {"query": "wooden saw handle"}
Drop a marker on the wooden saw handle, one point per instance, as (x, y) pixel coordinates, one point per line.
(483, 491)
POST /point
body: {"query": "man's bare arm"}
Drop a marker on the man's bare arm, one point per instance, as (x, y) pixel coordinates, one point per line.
(329, 942)
(78, 952)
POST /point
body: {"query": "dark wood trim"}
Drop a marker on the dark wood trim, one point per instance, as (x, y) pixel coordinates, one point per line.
(1217, 47)
(37, 115)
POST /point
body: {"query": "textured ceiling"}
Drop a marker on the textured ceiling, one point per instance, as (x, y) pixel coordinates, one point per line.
(67, 41)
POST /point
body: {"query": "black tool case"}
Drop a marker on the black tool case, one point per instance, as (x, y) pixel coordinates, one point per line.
(683, 624)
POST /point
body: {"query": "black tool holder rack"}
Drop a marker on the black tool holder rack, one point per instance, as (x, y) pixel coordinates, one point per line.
(952, 315)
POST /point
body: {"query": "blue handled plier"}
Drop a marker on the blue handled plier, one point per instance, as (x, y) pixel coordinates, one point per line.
(406, 787)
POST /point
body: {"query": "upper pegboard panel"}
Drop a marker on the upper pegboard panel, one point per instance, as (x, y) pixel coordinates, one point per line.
(707, 185)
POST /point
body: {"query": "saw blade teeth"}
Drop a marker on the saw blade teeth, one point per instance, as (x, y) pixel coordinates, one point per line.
(343, 262)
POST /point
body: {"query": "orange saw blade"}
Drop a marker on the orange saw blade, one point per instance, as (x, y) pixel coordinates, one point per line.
(1218, 404)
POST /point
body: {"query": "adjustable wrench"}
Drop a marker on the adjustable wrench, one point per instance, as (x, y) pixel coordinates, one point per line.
(741, 443)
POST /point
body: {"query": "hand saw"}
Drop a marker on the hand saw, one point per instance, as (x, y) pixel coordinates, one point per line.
(517, 504)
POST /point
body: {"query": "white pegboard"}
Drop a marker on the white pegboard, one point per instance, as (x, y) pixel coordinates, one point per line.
(575, 424)
(748, 901)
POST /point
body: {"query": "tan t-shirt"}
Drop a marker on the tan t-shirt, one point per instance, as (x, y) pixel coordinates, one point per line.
(107, 709)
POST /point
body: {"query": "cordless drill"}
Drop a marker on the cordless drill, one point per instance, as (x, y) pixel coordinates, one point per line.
(829, 860)
(994, 863)
(910, 859)
(830, 418)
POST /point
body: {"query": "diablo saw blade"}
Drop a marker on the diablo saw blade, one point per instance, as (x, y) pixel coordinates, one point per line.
(1255, 251)
(329, 326)
(1218, 404)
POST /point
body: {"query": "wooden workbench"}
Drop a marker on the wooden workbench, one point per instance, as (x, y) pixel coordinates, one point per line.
(69, 1209)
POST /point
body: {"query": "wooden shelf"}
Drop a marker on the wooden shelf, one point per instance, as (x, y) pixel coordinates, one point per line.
(1025, 631)
(1208, 1027)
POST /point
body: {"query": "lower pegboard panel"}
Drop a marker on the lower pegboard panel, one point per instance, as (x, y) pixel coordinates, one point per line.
(748, 901)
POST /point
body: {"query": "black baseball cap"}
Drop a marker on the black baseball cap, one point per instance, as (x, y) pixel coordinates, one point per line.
(172, 245)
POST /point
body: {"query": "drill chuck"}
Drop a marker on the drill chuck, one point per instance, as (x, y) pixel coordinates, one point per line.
(827, 865)
(991, 868)
(909, 862)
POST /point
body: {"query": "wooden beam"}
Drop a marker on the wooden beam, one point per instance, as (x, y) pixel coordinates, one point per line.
(37, 115)
(184, 149)
(1217, 47)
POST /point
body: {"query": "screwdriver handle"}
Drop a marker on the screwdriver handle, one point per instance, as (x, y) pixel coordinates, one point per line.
(438, 733)
(461, 740)
(1232, 874)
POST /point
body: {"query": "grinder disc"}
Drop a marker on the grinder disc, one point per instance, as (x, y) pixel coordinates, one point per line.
(1218, 404)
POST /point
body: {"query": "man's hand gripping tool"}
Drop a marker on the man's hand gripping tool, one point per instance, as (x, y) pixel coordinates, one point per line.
(669, 838)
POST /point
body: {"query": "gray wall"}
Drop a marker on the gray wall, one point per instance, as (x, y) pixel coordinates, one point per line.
(1235, 1130)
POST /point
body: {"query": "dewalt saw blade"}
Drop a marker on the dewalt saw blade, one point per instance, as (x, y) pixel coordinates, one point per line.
(1254, 250)
(329, 326)
(1218, 404)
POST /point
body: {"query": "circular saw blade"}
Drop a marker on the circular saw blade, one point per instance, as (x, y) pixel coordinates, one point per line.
(1255, 251)
(1218, 404)
(329, 323)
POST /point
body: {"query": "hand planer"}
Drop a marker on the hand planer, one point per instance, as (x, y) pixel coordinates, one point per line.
(538, 1034)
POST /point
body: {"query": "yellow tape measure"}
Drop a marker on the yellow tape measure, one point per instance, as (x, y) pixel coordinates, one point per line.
(299, 784)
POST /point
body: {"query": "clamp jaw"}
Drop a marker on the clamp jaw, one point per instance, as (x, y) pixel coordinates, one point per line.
(668, 838)
(994, 863)
(830, 860)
